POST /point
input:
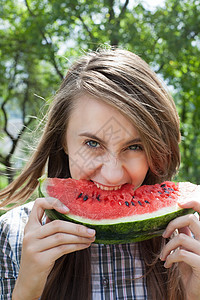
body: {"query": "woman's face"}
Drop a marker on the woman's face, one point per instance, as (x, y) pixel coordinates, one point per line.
(103, 146)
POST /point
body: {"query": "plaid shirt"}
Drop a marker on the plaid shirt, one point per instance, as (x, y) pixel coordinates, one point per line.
(116, 269)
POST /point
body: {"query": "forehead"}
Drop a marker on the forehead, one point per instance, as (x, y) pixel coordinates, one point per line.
(96, 117)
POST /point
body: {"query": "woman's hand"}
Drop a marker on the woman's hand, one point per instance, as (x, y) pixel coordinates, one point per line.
(184, 248)
(43, 244)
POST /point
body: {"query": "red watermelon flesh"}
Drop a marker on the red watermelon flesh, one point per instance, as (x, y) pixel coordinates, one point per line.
(84, 199)
(122, 216)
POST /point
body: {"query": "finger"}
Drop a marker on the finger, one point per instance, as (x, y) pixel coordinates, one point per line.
(39, 207)
(182, 241)
(57, 252)
(59, 239)
(185, 230)
(182, 255)
(190, 221)
(59, 226)
(44, 260)
(194, 204)
(189, 193)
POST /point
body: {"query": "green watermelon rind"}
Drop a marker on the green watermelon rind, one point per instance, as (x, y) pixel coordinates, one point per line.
(122, 231)
(125, 232)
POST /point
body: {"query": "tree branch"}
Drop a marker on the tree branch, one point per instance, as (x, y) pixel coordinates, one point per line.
(48, 42)
(123, 9)
(86, 27)
(28, 7)
(10, 87)
(116, 24)
(56, 66)
(111, 10)
(5, 129)
(160, 67)
(17, 139)
(12, 77)
(6, 160)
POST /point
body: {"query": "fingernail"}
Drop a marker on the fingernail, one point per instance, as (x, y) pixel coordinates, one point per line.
(180, 202)
(165, 265)
(65, 208)
(91, 231)
(164, 234)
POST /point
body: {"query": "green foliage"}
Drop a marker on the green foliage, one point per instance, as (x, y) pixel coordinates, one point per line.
(40, 38)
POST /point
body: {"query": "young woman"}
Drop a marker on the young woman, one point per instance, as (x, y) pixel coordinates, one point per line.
(113, 123)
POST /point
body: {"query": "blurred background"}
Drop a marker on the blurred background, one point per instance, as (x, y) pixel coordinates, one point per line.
(39, 39)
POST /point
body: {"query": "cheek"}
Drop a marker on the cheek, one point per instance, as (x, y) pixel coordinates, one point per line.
(138, 169)
(77, 167)
(82, 165)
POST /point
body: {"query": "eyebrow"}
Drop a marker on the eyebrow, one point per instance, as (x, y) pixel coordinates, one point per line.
(94, 137)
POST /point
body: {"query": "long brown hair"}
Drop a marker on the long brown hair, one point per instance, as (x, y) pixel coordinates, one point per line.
(124, 81)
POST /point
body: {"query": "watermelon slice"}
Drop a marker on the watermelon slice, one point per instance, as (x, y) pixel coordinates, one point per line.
(120, 216)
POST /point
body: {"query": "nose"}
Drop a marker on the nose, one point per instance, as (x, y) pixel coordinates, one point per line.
(112, 171)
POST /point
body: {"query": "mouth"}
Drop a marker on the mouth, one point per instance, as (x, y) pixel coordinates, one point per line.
(107, 188)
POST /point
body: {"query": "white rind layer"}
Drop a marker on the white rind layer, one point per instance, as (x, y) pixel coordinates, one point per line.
(158, 213)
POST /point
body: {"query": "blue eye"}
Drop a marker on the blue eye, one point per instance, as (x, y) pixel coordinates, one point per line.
(135, 147)
(92, 144)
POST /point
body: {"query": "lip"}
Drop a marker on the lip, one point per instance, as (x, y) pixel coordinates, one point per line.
(106, 187)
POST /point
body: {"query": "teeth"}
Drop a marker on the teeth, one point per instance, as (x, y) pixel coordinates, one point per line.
(106, 188)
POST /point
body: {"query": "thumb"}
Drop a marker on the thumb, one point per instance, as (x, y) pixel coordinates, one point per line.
(39, 207)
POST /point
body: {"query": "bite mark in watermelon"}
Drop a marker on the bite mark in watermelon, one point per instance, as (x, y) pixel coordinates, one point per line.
(120, 216)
